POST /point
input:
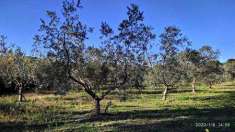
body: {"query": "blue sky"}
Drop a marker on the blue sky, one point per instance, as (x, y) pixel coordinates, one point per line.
(202, 21)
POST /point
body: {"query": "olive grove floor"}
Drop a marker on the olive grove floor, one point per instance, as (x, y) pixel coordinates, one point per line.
(207, 110)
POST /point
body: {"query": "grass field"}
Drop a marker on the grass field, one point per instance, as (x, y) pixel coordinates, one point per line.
(182, 111)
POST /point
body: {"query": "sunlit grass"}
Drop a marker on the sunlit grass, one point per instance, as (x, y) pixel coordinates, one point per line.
(60, 113)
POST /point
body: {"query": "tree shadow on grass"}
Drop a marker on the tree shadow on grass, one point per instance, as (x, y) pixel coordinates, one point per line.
(21, 126)
(173, 90)
(146, 120)
(54, 119)
(8, 108)
(168, 120)
(209, 113)
(229, 85)
(185, 125)
(225, 98)
(176, 119)
(152, 120)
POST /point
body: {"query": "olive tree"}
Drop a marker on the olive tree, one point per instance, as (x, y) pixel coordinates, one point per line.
(196, 64)
(212, 70)
(3, 63)
(193, 63)
(168, 70)
(23, 72)
(188, 59)
(98, 70)
(229, 68)
(16, 68)
(213, 73)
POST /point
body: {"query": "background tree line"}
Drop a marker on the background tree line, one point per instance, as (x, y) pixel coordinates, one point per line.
(123, 59)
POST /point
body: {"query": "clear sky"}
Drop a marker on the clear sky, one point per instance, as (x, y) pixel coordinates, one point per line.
(202, 21)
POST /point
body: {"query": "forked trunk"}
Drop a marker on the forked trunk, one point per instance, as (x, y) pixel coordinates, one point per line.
(97, 106)
(210, 85)
(165, 93)
(193, 85)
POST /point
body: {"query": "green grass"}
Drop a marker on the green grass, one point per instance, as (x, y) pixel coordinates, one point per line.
(141, 112)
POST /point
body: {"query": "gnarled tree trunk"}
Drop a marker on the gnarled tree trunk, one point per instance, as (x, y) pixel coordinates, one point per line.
(210, 85)
(193, 85)
(20, 87)
(20, 94)
(97, 106)
(165, 93)
(94, 96)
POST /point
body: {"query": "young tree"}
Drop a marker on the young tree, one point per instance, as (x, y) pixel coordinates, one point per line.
(213, 73)
(3, 64)
(212, 69)
(196, 63)
(168, 70)
(15, 68)
(20, 70)
(24, 72)
(98, 71)
(229, 68)
(192, 62)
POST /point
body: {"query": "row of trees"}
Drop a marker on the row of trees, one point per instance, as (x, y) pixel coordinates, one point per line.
(177, 66)
(122, 60)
